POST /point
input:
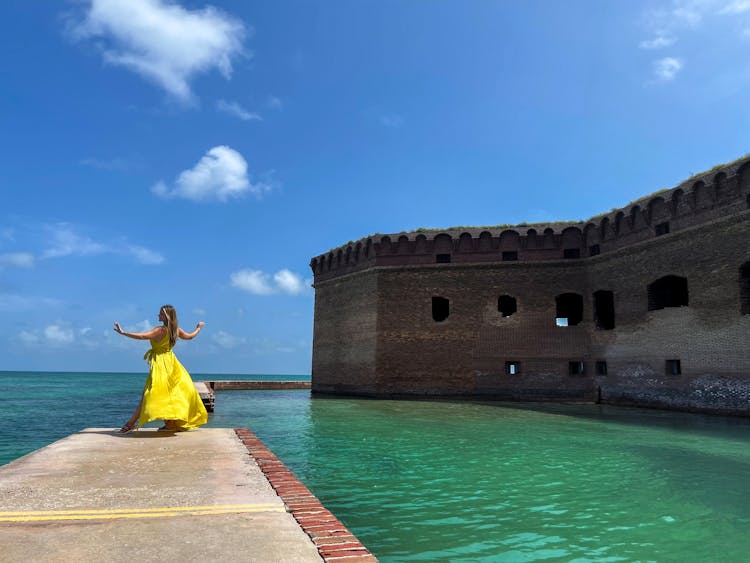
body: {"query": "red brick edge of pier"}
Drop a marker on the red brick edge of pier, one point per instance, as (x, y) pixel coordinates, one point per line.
(333, 540)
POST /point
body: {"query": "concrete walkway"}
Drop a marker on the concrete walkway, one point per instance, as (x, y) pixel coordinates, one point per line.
(145, 496)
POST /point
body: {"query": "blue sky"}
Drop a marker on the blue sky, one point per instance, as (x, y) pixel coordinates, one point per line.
(201, 154)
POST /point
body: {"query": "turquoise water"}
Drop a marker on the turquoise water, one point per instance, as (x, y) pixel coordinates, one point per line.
(442, 481)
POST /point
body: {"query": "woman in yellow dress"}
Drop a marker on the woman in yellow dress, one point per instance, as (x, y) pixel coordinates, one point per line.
(169, 393)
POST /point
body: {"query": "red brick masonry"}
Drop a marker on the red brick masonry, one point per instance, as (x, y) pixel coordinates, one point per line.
(333, 540)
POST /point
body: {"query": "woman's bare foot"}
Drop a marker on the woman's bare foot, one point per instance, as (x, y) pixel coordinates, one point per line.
(127, 428)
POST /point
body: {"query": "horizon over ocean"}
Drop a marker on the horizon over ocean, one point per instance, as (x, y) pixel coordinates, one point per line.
(461, 481)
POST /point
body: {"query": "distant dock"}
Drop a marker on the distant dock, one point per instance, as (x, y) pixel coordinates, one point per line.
(207, 389)
(214, 494)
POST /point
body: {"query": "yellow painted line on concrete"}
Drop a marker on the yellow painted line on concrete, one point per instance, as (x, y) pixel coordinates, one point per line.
(97, 514)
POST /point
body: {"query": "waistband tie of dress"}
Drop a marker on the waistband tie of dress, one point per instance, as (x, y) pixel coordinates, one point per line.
(151, 354)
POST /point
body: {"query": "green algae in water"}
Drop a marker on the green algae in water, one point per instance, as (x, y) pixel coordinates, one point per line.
(438, 481)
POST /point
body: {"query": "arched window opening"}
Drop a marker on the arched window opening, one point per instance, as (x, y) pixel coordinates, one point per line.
(506, 305)
(440, 309)
(745, 289)
(604, 309)
(669, 291)
(569, 309)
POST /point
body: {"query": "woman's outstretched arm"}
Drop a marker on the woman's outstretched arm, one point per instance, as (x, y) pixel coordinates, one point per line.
(157, 332)
(190, 335)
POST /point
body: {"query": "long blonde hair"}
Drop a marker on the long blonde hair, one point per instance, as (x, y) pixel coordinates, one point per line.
(170, 314)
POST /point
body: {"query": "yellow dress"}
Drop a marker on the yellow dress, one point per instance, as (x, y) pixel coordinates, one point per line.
(169, 393)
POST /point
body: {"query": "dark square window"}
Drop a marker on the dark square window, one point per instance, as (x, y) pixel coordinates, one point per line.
(512, 368)
(575, 368)
(672, 367)
(601, 368)
(510, 255)
(594, 250)
(572, 253)
(442, 258)
(662, 228)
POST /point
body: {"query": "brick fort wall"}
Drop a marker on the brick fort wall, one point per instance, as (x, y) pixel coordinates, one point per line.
(655, 296)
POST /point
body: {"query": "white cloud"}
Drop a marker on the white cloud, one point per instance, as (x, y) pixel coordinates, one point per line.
(252, 281)
(220, 175)
(658, 42)
(289, 282)
(236, 110)
(17, 259)
(162, 41)
(226, 340)
(199, 312)
(258, 282)
(667, 68)
(56, 334)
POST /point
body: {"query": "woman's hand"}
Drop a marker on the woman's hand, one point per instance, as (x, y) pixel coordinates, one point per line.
(118, 329)
(200, 325)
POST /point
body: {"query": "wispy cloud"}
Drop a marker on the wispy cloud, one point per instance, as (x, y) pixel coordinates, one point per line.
(162, 41)
(226, 340)
(17, 260)
(258, 282)
(275, 103)
(55, 335)
(63, 241)
(391, 120)
(667, 68)
(220, 175)
(236, 110)
(681, 19)
(736, 7)
(116, 164)
(13, 302)
(658, 42)
(58, 334)
(142, 254)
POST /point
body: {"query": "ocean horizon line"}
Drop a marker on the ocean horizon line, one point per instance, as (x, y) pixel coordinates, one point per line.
(195, 376)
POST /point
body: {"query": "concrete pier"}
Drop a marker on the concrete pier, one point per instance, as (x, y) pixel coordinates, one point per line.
(162, 496)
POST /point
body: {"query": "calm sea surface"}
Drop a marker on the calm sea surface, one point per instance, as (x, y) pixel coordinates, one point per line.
(443, 481)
